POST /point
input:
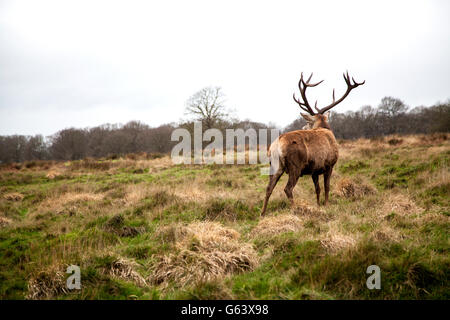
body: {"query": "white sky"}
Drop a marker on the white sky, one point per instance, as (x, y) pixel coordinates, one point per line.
(85, 63)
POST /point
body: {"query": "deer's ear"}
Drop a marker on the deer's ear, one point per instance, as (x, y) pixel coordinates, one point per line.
(308, 117)
(327, 115)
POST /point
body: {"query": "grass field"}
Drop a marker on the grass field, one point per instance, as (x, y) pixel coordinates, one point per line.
(144, 228)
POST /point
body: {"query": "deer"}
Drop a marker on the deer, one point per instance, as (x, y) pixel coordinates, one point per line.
(312, 150)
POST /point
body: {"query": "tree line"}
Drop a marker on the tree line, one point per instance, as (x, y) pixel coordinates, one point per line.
(391, 116)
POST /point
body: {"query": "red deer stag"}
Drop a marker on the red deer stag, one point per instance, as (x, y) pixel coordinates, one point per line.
(313, 151)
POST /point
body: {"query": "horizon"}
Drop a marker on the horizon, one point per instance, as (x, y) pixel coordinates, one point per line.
(175, 124)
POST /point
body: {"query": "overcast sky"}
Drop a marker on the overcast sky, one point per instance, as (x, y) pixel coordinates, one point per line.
(85, 63)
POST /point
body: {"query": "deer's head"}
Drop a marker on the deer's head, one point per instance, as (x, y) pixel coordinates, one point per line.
(316, 121)
(319, 119)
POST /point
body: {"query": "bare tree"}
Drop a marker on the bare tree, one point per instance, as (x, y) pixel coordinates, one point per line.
(132, 130)
(207, 105)
(96, 137)
(159, 138)
(12, 148)
(35, 148)
(117, 142)
(392, 106)
(69, 144)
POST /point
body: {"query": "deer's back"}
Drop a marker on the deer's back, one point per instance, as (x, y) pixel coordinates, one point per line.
(312, 150)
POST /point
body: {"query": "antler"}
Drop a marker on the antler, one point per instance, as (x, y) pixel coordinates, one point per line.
(350, 87)
(302, 85)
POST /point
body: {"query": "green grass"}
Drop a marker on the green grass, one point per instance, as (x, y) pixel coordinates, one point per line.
(130, 211)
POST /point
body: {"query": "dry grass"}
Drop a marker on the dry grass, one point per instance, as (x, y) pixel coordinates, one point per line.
(153, 165)
(193, 193)
(303, 209)
(4, 221)
(156, 165)
(348, 188)
(125, 269)
(336, 241)
(206, 251)
(274, 225)
(68, 202)
(385, 233)
(13, 196)
(47, 284)
(54, 173)
(401, 204)
(350, 149)
(134, 194)
(436, 178)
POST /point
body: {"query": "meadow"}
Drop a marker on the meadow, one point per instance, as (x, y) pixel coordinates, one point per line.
(140, 227)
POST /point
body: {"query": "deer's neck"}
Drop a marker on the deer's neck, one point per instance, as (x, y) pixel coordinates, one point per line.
(323, 125)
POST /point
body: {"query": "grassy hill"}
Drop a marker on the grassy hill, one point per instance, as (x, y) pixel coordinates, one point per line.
(144, 228)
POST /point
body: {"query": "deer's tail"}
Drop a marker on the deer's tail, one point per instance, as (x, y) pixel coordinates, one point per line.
(276, 158)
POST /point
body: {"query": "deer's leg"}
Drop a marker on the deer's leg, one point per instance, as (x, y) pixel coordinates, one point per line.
(272, 183)
(315, 178)
(326, 182)
(293, 178)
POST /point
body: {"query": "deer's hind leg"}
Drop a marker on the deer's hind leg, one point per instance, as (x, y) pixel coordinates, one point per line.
(315, 178)
(273, 180)
(326, 182)
(293, 178)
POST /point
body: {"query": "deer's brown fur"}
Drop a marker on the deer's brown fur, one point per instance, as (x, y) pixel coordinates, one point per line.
(303, 152)
(313, 151)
